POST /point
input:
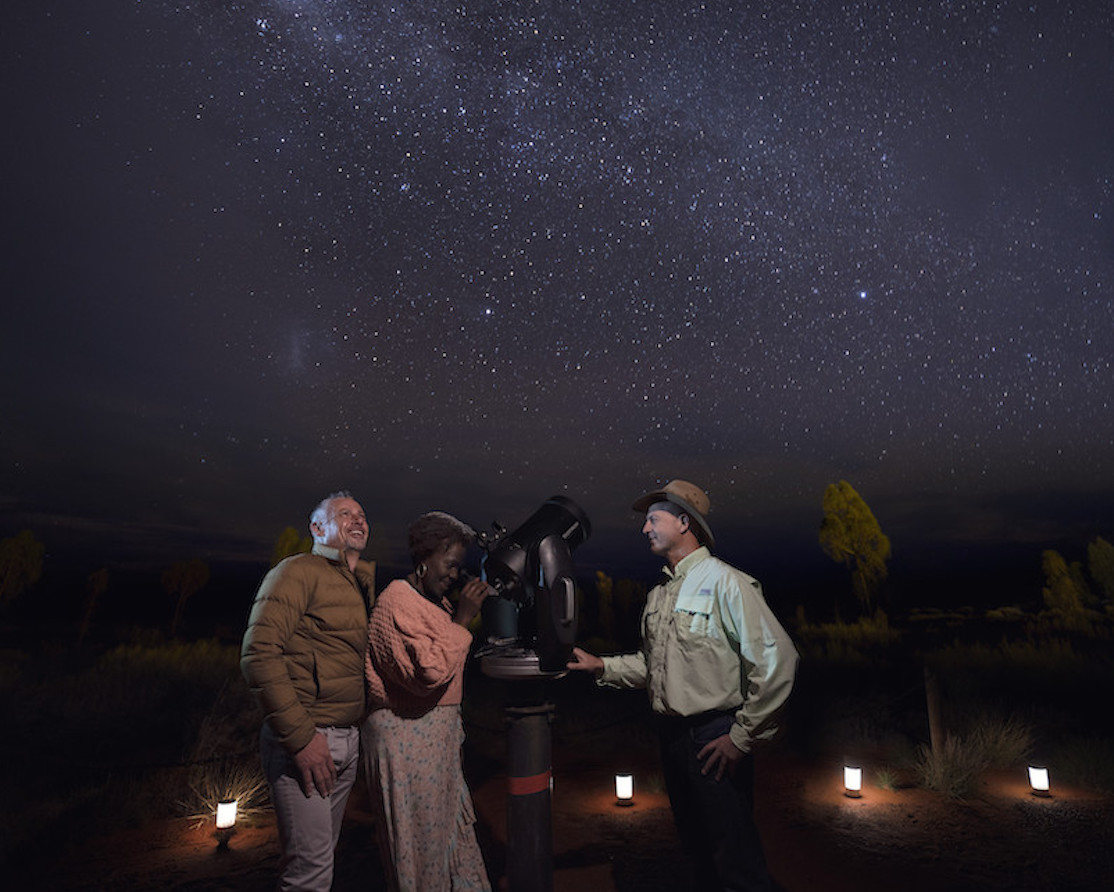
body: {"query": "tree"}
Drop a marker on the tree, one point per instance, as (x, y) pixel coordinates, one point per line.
(95, 586)
(850, 535)
(183, 580)
(1078, 575)
(1060, 592)
(289, 542)
(21, 564)
(1100, 564)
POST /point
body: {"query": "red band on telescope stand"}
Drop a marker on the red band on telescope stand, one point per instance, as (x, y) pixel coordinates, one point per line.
(526, 786)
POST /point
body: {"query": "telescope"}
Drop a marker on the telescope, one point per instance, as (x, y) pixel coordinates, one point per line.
(532, 623)
(531, 628)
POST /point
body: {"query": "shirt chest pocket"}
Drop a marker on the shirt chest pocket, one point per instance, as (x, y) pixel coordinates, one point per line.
(693, 615)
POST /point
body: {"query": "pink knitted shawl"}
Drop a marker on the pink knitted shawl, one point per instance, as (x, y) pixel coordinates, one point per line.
(416, 653)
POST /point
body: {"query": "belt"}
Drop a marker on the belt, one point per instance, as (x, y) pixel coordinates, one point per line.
(692, 721)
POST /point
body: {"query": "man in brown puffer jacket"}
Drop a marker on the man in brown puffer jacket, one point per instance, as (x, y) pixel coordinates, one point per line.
(303, 656)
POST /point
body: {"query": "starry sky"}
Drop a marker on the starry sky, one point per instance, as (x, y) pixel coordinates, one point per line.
(468, 255)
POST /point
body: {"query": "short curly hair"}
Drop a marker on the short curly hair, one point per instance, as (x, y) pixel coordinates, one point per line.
(436, 531)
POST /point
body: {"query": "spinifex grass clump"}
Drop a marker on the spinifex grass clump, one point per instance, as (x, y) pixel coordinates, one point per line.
(213, 782)
(956, 767)
(1004, 743)
(223, 762)
(953, 769)
(886, 778)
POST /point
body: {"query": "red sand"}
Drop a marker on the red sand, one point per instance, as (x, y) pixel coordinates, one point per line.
(816, 839)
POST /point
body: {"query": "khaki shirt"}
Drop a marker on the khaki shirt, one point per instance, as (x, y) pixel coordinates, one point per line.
(710, 642)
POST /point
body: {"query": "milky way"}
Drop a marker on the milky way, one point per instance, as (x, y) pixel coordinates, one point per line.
(466, 255)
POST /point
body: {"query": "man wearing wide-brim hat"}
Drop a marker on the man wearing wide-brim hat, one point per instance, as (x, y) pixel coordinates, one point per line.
(717, 666)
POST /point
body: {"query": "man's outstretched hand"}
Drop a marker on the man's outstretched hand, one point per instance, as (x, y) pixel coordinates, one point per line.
(582, 661)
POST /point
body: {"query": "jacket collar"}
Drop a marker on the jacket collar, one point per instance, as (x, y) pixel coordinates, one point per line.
(330, 554)
(686, 563)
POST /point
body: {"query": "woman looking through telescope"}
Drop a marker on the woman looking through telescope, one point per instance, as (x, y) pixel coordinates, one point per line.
(417, 647)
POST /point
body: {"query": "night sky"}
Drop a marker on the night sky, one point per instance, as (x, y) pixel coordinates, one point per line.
(468, 255)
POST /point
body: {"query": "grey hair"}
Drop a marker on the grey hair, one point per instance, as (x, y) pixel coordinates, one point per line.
(321, 513)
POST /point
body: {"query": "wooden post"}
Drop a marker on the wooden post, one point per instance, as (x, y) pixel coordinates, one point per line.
(932, 698)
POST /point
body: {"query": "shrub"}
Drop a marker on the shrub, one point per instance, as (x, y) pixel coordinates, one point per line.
(137, 679)
(886, 778)
(137, 711)
(213, 782)
(224, 762)
(1010, 614)
(953, 770)
(992, 742)
(847, 643)
(980, 669)
(1004, 743)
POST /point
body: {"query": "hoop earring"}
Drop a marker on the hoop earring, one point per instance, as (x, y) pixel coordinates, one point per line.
(421, 570)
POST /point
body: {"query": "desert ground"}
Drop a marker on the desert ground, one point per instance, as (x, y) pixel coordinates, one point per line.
(109, 749)
(815, 839)
(904, 838)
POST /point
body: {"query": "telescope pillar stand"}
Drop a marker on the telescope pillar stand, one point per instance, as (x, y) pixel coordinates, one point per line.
(529, 815)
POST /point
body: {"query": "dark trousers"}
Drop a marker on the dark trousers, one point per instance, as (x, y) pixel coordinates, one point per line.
(715, 819)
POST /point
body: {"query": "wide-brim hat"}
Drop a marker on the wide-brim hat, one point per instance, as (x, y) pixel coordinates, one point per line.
(687, 496)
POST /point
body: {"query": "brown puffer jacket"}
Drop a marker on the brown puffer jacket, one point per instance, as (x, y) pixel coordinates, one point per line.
(303, 651)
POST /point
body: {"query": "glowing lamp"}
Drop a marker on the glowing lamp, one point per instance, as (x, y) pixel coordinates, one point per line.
(624, 789)
(226, 823)
(1038, 780)
(226, 814)
(852, 781)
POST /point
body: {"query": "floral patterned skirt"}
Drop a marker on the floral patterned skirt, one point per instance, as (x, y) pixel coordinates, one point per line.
(424, 810)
